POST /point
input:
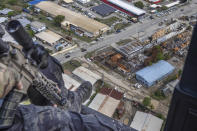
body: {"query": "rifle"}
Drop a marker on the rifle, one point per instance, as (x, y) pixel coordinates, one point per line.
(27, 65)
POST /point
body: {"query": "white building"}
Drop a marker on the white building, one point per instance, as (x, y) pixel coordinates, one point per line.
(130, 8)
(86, 75)
(48, 37)
(104, 104)
(146, 122)
(83, 1)
(3, 19)
(155, 6)
(24, 22)
(172, 4)
(5, 11)
(38, 26)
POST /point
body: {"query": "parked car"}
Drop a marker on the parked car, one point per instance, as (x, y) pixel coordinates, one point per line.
(83, 50)
(161, 23)
(138, 86)
(67, 56)
(118, 31)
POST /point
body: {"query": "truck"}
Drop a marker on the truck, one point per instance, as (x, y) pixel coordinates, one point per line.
(26, 10)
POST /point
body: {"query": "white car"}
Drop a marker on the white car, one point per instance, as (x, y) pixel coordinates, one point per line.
(138, 86)
(88, 60)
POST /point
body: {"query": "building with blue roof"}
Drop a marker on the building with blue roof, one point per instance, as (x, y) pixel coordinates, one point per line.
(34, 2)
(151, 74)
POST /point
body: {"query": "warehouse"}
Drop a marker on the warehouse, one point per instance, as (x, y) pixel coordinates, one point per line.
(127, 7)
(38, 26)
(172, 4)
(152, 74)
(76, 20)
(146, 122)
(86, 75)
(130, 49)
(67, 1)
(5, 11)
(3, 19)
(83, 1)
(106, 101)
(154, 1)
(103, 10)
(49, 37)
(24, 21)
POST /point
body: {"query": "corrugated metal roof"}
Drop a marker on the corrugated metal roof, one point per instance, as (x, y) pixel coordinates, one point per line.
(48, 36)
(172, 4)
(156, 71)
(109, 106)
(97, 101)
(24, 21)
(37, 24)
(68, 1)
(3, 19)
(112, 93)
(86, 74)
(71, 17)
(5, 11)
(104, 104)
(146, 122)
(128, 7)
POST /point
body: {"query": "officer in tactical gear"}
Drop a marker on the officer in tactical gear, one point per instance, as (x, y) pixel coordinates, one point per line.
(48, 118)
(50, 67)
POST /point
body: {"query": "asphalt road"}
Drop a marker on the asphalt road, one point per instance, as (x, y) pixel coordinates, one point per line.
(146, 28)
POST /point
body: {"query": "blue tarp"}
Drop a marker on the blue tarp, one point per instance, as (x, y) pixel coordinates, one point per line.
(34, 2)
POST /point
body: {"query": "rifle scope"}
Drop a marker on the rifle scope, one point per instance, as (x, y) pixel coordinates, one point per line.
(16, 30)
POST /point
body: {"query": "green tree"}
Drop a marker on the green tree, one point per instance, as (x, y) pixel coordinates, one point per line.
(28, 26)
(11, 13)
(58, 20)
(160, 116)
(158, 95)
(12, 2)
(146, 101)
(60, 48)
(139, 4)
(164, 7)
(152, 107)
(179, 73)
(31, 33)
(2, 5)
(167, 56)
(189, 28)
(159, 56)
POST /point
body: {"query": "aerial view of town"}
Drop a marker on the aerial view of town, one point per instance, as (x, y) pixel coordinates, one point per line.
(131, 51)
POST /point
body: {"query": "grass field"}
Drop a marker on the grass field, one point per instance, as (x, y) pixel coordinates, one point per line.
(71, 65)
